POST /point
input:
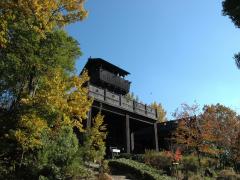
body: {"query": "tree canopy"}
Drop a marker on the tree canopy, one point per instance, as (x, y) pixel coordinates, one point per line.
(231, 8)
(40, 16)
(214, 131)
(42, 101)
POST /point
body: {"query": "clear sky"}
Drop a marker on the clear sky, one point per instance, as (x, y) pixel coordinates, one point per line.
(176, 51)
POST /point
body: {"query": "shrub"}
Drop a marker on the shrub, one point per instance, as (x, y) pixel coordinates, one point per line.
(125, 155)
(158, 160)
(138, 170)
(209, 163)
(60, 157)
(190, 163)
(138, 157)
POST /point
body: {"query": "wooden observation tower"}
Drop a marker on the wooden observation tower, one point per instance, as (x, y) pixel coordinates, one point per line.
(126, 119)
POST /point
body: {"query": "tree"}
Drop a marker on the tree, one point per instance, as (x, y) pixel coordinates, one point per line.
(39, 16)
(94, 145)
(231, 9)
(28, 58)
(224, 129)
(132, 97)
(37, 80)
(188, 132)
(160, 111)
(214, 132)
(43, 99)
(60, 103)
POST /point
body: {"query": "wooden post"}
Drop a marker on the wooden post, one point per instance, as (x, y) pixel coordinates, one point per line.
(105, 94)
(89, 119)
(120, 100)
(100, 107)
(145, 109)
(128, 134)
(132, 141)
(156, 136)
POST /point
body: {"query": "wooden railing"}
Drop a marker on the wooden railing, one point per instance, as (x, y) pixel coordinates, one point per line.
(122, 102)
(117, 81)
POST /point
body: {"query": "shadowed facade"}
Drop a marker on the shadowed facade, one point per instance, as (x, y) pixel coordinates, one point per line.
(126, 119)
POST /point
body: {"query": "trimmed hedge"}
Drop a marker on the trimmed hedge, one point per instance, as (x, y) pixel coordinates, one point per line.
(138, 170)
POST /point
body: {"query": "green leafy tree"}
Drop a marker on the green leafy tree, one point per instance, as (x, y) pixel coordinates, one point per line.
(231, 9)
(60, 103)
(41, 99)
(37, 80)
(28, 58)
(58, 152)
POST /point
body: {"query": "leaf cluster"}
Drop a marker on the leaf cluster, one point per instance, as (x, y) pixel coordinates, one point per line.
(39, 16)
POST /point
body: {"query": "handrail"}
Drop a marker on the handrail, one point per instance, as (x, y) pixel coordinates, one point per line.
(121, 101)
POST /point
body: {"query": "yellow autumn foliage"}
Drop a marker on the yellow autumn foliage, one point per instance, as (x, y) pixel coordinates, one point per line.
(68, 96)
(160, 111)
(30, 128)
(39, 15)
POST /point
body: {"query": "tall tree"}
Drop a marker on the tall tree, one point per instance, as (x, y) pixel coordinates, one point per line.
(37, 81)
(188, 132)
(29, 57)
(94, 145)
(231, 9)
(40, 16)
(224, 130)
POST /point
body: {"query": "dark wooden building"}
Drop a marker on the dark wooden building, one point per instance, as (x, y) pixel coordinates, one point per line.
(126, 119)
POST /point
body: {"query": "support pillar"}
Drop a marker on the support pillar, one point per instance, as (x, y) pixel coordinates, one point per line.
(89, 119)
(100, 108)
(128, 134)
(156, 136)
(132, 142)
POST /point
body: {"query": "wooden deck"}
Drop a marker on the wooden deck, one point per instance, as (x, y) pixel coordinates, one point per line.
(119, 101)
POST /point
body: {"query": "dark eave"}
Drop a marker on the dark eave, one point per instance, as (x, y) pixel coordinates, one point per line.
(98, 62)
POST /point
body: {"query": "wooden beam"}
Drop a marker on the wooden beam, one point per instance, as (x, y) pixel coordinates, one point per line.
(132, 141)
(128, 134)
(121, 114)
(156, 137)
(89, 119)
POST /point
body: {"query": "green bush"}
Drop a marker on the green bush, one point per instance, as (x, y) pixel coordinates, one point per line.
(138, 170)
(190, 163)
(125, 155)
(61, 158)
(138, 157)
(158, 160)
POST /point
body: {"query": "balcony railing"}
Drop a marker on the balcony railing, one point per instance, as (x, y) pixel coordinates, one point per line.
(117, 81)
(122, 102)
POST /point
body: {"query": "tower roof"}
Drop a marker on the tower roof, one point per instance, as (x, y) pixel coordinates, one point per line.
(98, 62)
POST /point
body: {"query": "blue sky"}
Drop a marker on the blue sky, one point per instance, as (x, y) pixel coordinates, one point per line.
(176, 51)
